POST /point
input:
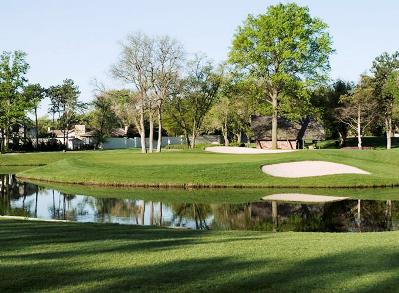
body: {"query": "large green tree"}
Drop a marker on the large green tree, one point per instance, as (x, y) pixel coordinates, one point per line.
(104, 118)
(35, 93)
(383, 66)
(285, 48)
(13, 105)
(64, 98)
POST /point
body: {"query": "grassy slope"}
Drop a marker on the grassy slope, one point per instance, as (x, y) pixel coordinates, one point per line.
(200, 168)
(66, 257)
(212, 195)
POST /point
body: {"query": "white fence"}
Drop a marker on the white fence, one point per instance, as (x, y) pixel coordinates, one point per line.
(135, 142)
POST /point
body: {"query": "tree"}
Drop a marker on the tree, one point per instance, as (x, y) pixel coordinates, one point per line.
(64, 99)
(104, 118)
(126, 106)
(221, 117)
(193, 97)
(282, 47)
(34, 94)
(238, 100)
(134, 67)
(358, 108)
(382, 68)
(202, 86)
(13, 104)
(391, 91)
(168, 57)
(327, 99)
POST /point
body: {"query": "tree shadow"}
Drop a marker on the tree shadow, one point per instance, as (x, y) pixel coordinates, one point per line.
(48, 256)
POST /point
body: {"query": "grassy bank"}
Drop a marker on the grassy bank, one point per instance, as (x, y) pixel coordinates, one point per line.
(198, 168)
(39, 256)
(215, 195)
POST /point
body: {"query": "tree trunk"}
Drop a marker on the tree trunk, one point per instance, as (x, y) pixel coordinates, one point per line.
(151, 213)
(389, 214)
(225, 134)
(37, 193)
(142, 131)
(142, 213)
(37, 129)
(193, 135)
(225, 137)
(388, 125)
(6, 138)
(239, 137)
(67, 132)
(274, 120)
(274, 215)
(159, 143)
(151, 135)
(3, 149)
(359, 130)
(160, 214)
(187, 138)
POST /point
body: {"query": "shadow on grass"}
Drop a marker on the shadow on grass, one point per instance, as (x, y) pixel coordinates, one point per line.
(48, 256)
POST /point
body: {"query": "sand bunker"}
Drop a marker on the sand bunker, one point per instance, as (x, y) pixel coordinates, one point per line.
(300, 197)
(241, 150)
(309, 169)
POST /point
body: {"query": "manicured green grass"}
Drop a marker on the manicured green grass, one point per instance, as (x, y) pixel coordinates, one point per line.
(199, 168)
(215, 195)
(67, 257)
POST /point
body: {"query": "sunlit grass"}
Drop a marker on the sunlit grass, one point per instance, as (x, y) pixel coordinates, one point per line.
(198, 168)
(66, 257)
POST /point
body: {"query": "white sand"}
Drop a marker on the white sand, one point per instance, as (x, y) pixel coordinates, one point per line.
(242, 150)
(309, 169)
(300, 197)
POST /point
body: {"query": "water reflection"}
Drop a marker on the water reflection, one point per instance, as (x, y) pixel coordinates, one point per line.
(29, 200)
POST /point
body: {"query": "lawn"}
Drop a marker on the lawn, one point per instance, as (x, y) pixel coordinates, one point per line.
(70, 257)
(215, 195)
(199, 168)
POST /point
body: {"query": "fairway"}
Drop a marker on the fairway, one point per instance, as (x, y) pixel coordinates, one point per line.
(201, 169)
(67, 257)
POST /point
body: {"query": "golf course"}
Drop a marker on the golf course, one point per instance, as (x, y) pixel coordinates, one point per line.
(179, 168)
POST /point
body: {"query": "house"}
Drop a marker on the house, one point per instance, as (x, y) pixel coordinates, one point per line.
(290, 135)
(80, 137)
(75, 138)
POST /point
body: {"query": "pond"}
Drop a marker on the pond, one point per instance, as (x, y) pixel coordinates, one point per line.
(25, 199)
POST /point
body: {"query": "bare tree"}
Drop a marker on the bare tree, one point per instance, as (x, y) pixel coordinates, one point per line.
(134, 67)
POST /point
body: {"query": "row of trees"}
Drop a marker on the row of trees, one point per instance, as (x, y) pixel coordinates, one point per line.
(278, 65)
(18, 98)
(369, 106)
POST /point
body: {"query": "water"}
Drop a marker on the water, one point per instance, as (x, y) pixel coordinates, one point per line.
(29, 200)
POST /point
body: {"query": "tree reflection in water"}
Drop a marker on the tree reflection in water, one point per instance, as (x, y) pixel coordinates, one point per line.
(199, 213)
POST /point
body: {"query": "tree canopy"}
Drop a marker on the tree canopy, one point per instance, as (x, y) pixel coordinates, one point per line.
(285, 47)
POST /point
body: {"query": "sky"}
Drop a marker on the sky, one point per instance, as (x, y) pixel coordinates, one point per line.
(81, 39)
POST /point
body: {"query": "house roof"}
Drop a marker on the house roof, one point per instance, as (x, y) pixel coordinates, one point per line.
(88, 133)
(308, 129)
(60, 133)
(118, 132)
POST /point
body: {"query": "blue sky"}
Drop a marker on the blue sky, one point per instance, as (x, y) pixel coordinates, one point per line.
(79, 39)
